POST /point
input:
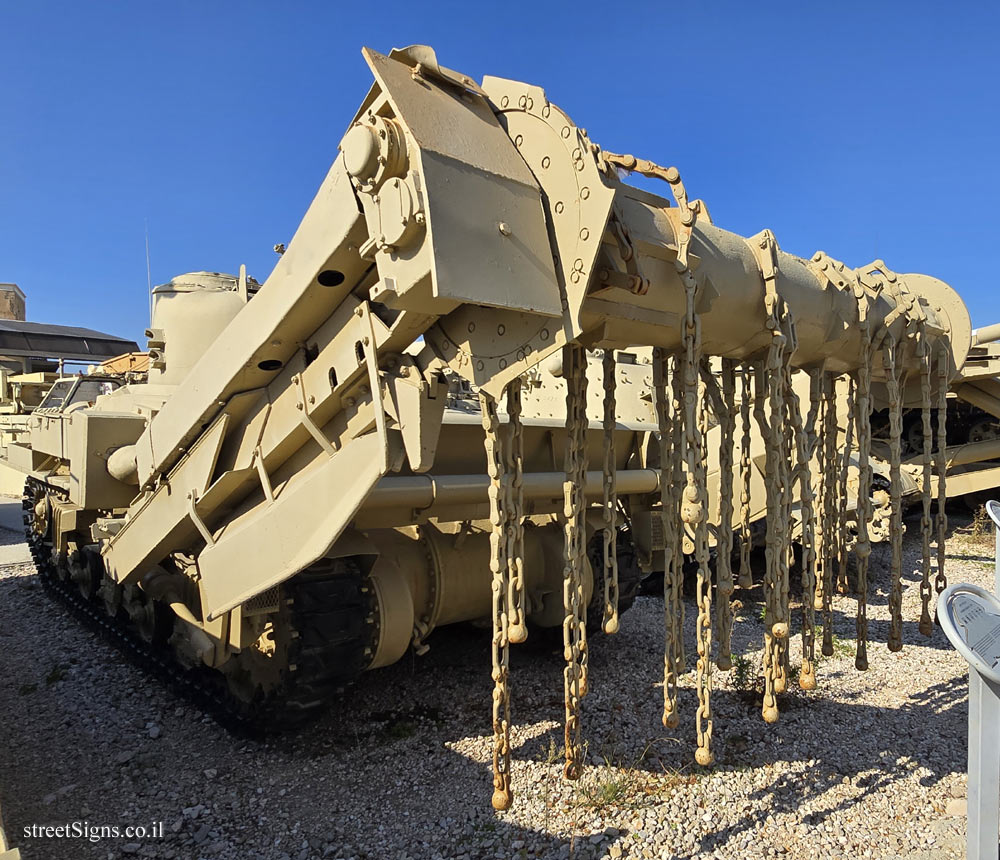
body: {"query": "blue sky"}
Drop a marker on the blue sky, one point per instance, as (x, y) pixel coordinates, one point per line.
(865, 129)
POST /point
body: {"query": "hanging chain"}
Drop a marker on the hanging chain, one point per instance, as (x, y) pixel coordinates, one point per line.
(610, 620)
(669, 514)
(889, 359)
(941, 463)
(804, 435)
(574, 549)
(694, 516)
(724, 543)
(863, 548)
(817, 405)
(926, 369)
(676, 492)
(787, 472)
(746, 575)
(778, 433)
(843, 587)
(831, 506)
(518, 628)
(772, 543)
(693, 504)
(495, 467)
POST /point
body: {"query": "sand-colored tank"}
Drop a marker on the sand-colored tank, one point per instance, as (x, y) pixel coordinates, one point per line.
(488, 380)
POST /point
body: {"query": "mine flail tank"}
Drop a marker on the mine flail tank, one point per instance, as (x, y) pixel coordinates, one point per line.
(489, 379)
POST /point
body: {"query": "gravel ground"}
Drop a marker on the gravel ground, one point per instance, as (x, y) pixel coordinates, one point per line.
(868, 765)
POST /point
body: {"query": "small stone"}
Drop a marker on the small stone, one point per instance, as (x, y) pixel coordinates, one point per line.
(201, 834)
(131, 848)
(958, 790)
(125, 756)
(154, 732)
(211, 773)
(956, 807)
(49, 799)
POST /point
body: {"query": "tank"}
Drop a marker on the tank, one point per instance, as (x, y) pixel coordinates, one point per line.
(489, 380)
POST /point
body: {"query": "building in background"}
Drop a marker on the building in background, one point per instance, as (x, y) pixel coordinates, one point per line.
(11, 302)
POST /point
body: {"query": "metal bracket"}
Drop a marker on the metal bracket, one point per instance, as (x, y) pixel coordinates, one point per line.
(199, 523)
(265, 479)
(371, 359)
(307, 420)
(765, 251)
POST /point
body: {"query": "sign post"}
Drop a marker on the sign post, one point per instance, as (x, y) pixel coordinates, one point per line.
(970, 616)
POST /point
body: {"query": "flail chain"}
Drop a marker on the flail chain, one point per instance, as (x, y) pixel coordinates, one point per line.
(803, 435)
(926, 460)
(746, 575)
(726, 413)
(863, 548)
(941, 464)
(574, 549)
(889, 359)
(830, 499)
(670, 455)
(518, 631)
(610, 620)
(499, 513)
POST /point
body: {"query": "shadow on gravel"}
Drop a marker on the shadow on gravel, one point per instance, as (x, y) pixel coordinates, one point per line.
(817, 734)
(400, 758)
(919, 727)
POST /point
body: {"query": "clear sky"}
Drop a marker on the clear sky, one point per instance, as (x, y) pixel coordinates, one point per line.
(863, 129)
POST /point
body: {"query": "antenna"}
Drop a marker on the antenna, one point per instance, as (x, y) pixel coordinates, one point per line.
(149, 277)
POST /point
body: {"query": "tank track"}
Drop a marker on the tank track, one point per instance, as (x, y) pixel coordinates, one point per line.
(332, 611)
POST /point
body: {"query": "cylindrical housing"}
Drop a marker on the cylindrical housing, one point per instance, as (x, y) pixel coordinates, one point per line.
(731, 305)
(987, 334)
(188, 314)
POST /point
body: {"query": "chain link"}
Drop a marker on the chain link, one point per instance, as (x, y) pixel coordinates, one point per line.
(863, 549)
(610, 620)
(724, 544)
(890, 353)
(676, 493)
(787, 473)
(926, 461)
(746, 476)
(817, 412)
(518, 628)
(843, 587)
(941, 464)
(695, 517)
(766, 381)
(831, 506)
(574, 549)
(669, 514)
(804, 435)
(499, 479)
(689, 392)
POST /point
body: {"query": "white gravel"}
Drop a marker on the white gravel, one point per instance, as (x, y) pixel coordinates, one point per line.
(869, 765)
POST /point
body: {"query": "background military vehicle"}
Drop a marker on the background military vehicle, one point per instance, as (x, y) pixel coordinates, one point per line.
(395, 431)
